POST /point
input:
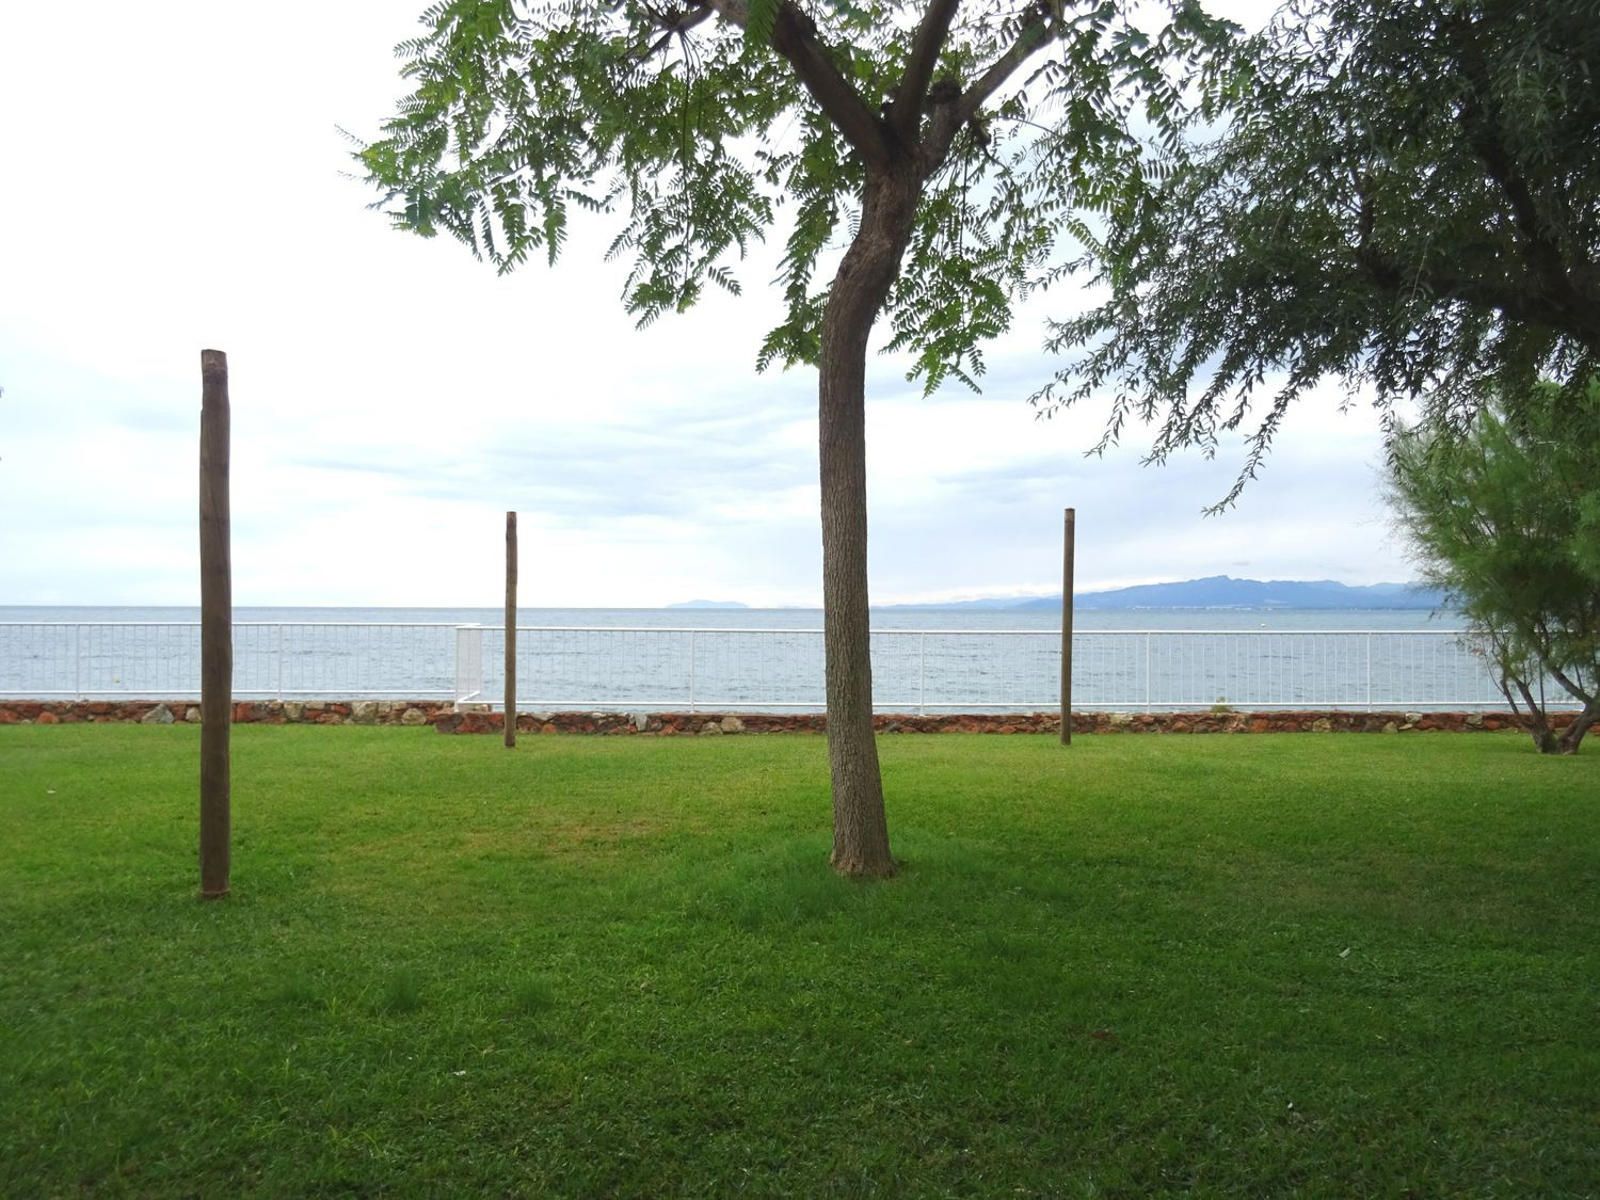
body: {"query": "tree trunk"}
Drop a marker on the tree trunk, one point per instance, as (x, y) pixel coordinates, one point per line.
(1572, 736)
(1538, 724)
(510, 706)
(216, 628)
(860, 828)
(1535, 721)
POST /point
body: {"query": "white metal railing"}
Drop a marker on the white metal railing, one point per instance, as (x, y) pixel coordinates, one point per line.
(564, 667)
(921, 670)
(161, 660)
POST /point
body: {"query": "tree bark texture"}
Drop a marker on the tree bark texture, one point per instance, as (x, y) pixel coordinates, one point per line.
(860, 827)
(1537, 721)
(1572, 736)
(1068, 553)
(216, 627)
(511, 631)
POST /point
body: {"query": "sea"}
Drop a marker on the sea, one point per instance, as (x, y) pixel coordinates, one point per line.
(892, 617)
(928, 660)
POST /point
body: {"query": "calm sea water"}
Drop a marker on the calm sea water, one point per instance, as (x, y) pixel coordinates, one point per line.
(772, 618)
(756, 658)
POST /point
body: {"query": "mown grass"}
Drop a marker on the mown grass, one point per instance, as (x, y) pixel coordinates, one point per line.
(1321, 966)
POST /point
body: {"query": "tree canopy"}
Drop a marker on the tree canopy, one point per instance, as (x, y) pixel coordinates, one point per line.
(681, 123)
(1507, 521)
(1406, 196)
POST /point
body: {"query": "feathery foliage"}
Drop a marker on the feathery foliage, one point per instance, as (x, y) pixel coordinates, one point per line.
(677, 122)
(1406, 196)
(1507, 521)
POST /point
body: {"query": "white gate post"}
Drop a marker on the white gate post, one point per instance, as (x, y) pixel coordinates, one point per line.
(469, 663)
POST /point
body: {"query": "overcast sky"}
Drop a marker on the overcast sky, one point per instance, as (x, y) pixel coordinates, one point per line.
(173, 181)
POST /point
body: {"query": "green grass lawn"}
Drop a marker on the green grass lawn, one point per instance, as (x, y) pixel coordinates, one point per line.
(1292, 965)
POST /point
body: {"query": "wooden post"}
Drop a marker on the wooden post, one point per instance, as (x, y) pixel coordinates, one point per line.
(1067, 551)
(216, 627)
(511, 630)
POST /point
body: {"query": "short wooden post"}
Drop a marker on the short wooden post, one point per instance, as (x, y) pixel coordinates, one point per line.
(216, 627)
(1067, 551)
(511, 630)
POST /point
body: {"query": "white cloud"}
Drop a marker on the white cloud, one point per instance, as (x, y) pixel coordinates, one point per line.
(179, 186)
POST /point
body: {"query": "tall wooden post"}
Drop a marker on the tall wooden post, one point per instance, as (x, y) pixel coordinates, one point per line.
(511, 630)
(1067, 551)
(216, 627)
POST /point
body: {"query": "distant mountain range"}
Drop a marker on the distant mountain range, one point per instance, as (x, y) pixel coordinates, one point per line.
(708, 604)
(1223, 591)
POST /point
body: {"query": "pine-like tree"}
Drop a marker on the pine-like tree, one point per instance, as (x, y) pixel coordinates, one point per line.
(1506, 520)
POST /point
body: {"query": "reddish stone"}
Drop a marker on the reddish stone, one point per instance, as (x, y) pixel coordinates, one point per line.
(443, 717)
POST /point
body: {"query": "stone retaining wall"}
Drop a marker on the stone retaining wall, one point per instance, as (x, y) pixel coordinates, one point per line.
(681, 724)
(444, 717)
(245, 712)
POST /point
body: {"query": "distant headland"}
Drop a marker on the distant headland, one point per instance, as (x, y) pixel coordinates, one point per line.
(1223, 591)
(1212, 592)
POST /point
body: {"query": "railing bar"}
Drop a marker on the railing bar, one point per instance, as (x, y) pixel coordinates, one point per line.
(1275, 666)
(1042, 704)
(922, 672)
(815, 630)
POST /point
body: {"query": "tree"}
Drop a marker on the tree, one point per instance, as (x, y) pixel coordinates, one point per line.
(1507, 521)
(951, 150)
(1406, 196)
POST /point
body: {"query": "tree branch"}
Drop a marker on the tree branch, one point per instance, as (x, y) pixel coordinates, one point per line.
(950, 115)
(1517, 297)
(1482, 120)
(1572, 687)
(1035, 32)
(1536, 722)
(678, 25)
(1573, 734)
(794, 37)
(906, 112)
